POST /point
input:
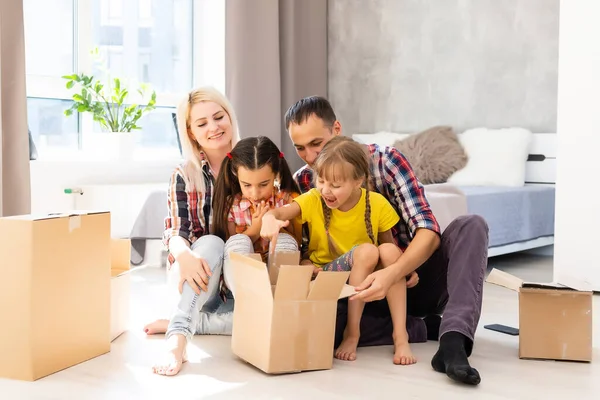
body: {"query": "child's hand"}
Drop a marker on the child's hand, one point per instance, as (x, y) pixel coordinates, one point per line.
(271, 226)
(412, 280)
(259, 212)
(316, 269)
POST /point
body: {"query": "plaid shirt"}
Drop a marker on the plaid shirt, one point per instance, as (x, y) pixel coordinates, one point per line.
(242, 210)
(393, 177)
(188, 210)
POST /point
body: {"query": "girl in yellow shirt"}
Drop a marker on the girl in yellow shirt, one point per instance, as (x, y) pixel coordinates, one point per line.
(350, 230)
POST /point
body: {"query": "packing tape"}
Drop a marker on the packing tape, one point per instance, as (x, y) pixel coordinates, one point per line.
(74, 222)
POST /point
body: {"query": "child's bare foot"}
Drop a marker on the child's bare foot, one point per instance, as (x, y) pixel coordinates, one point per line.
(402, 352)
(347, 349)
(175, 358)
(157, 327)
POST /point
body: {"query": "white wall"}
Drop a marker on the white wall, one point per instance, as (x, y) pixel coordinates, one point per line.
(50, 178)
(577, 236)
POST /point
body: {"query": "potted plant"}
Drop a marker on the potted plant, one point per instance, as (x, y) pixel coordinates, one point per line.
(107, 101)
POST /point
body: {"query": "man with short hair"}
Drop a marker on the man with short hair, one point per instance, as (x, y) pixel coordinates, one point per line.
(450, 266)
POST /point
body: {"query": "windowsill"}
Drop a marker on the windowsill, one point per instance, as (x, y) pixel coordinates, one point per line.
(146, 156)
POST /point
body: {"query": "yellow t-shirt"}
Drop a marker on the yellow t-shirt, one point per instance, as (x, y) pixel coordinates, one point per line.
(346, 229)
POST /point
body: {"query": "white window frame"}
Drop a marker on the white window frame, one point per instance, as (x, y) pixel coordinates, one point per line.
(208, 17)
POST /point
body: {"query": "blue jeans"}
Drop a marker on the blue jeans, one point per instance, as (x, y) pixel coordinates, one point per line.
(194, 311)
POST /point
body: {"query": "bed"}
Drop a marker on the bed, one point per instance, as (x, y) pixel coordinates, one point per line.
(519, 217)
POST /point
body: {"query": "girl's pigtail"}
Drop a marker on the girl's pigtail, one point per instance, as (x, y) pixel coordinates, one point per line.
(223, 198)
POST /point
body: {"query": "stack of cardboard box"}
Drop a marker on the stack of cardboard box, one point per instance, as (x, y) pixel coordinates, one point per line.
(55, 291)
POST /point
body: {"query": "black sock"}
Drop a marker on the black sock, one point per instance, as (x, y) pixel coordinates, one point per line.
(451, 358)
(432, 322)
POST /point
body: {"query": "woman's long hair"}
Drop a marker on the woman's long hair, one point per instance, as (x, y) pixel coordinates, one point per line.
(190, 148)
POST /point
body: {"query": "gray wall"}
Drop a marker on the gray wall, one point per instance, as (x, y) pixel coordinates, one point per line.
(405, 65)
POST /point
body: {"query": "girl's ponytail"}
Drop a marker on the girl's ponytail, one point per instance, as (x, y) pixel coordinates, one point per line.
(225, 189)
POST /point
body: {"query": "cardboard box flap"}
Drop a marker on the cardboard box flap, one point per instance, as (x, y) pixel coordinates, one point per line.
(328, 285)
(250, 275)
(348, 291)
(293, 282)
(511, 282)
(504, 279)
(574, 283)
(549, 285)
(72, 213)
(276, 260)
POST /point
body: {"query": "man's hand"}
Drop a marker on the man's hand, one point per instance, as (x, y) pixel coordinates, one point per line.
(194, 270)
(375, 286)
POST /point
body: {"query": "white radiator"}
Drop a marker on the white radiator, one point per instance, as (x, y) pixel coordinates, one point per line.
(124, 201)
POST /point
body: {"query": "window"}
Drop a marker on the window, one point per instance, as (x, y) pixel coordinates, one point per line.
(48, 52)
(160, 42)
(48, 126)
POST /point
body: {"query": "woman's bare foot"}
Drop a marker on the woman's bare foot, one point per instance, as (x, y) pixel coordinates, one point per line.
(347, 349)
(402, 352)
(176, 356)
(157, 327)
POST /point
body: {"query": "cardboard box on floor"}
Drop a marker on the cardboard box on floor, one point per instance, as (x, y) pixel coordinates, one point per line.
(54, 292)
(284, 322)
(120, 286)
(555, 321)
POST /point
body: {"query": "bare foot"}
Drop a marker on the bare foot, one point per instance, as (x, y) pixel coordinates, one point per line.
(402, 353)
(157, 327)
(347, 349)
(175, 358)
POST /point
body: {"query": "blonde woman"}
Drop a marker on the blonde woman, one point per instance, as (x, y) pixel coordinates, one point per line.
(208, 131)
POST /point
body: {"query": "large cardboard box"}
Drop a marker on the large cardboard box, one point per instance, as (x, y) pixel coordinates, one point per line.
(555, 321)
(120, 286)
(54, 292)
(287, 325)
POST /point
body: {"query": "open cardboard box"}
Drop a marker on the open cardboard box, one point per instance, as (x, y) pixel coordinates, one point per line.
(555, 321)
(54, 292)
(283, 322)
(120, 286)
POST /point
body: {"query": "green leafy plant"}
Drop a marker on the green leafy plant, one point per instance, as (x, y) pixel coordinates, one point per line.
(107, 101)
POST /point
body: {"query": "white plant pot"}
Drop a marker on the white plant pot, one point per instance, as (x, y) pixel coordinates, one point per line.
(115, 146)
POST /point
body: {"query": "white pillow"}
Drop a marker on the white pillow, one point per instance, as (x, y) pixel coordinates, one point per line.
(497, 157)
(381, 138)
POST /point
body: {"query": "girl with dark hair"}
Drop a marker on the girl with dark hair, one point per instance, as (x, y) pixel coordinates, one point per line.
(254, 178)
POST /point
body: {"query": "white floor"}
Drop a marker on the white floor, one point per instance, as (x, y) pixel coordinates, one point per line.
(213, 372)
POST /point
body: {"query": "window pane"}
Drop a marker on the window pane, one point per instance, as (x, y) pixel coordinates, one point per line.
(48, 124)
(158, 129)
(48, 37)
(146, 41)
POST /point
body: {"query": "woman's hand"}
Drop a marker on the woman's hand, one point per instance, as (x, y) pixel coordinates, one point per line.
(194, 270)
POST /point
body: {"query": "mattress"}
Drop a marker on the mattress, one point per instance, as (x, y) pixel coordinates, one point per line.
(513, 214)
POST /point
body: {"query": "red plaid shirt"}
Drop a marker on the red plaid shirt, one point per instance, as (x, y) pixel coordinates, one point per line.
(242, 210)
(393, 177)
(187, 209)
